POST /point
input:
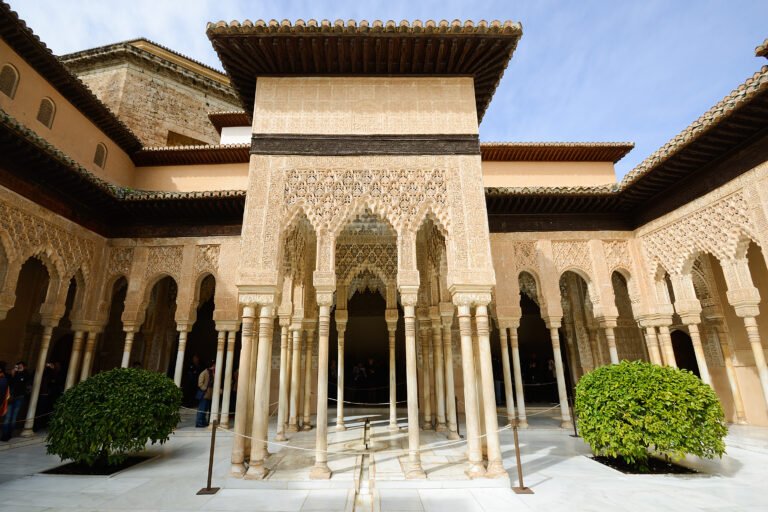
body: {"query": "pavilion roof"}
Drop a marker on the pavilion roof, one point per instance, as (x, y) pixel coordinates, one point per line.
(249, 50)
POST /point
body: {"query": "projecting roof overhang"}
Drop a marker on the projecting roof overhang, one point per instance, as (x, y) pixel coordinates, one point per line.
(249, 50)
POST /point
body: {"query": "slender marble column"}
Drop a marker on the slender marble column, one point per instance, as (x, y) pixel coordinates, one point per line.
(225, 399)
(241, 405)
(256, 468)
(508, 396)
(474, 447)
(340, 328)
(180, 357)
(437, 349)
(307, 425)
(446, 314)
(562, 393)
(495, 467)
(222, 338)
(725, 345)
(37, 381)
(414, 469)
(90, 348)
(698, 350)
(293, 425)
(429, 363)
(127, 349)
(282, 406)
(425, 381)
(522, 420)
(610, 336)
(321, 471)
(666, 343)
(753, 335)
(391, 327)
(74, 359)
(653, 346)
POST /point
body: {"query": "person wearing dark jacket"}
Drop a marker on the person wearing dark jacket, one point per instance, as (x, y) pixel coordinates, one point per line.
(5, 392)
(20, 386)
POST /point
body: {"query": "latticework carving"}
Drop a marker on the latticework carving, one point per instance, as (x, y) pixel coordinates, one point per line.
(353, 257)
(207, 258)
(617, 255)
(32, 236)
(165, 260)
(572, 254)
(528, 287)
(120, 259)
(716, 229)
(367, 281)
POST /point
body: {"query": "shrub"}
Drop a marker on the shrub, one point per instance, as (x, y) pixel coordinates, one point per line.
(106, 417)
(626, 410)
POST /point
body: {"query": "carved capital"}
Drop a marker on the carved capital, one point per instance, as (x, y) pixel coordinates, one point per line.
(391, 315)
(471, 298)
(341, 315)
(257, 299)
(409, 297)
(325, 298)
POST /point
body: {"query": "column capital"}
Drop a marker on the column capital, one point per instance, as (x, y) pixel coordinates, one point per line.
(654, 320)
(183, 327)
(341, 316)
(745, 301)
(257, 296)
(447, 309)
(471, 298)
(607, 322)
(509, 322)
(227, 325)
(409, 296)
(553, 322)
(391, 315)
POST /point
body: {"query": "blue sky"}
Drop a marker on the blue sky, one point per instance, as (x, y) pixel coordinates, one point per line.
(584, 70)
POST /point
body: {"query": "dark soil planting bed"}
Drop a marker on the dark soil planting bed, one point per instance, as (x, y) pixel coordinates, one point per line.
(76, 468)
(654, 467)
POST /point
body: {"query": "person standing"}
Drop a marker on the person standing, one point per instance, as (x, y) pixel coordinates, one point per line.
(20, 386)
(189, 385)
(205, 394)
(5, 391)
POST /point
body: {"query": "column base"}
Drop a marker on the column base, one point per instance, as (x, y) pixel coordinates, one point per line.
(414, 471)
(27, 432)
(256, 472)
(453, 435)
(566, 424)
(522, 423)
(393, 427)
(306, 427)
(340, 427)
(320, 472)
(292, 428)
(237, 470)
(441, 427)
(495, 470)
(475, 470)
(427, 426)
(280, 437)
(741, 421)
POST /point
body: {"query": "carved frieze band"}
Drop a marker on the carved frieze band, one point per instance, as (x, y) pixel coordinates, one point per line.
(350, 145)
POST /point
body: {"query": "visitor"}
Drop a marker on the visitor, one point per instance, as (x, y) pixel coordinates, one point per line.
(189, 386)
(204, 395)
(20, 387)
(5, 391)
(51, 388)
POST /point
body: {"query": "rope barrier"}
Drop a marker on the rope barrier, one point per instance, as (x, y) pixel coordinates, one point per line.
(367, 403)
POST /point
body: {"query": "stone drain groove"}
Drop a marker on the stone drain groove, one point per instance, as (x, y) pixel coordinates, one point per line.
(364, 499)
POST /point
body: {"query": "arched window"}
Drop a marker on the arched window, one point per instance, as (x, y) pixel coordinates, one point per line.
(100, 157)
(9, 80)
(46, 112)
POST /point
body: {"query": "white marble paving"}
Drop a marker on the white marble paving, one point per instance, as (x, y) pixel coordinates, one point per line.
(555, 465)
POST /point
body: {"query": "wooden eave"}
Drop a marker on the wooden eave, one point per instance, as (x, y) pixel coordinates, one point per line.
(555, 151)
(193, 155)
(228, 119)
(251, 50)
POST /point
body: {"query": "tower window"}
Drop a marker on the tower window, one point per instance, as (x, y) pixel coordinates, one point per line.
(9, 80)
(46, 112)
(100, 157)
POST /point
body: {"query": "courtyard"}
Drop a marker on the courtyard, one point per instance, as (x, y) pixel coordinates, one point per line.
(556, 466)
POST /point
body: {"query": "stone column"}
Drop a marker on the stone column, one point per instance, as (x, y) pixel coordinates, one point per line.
(413, 469)
(652, 343)
(225, 399)
(90, 348)
(341, 326)
(256, 468)
(437, 349)
(243, 377)
(282, 405)
(216, 401)
(665, 338)
(293, 425)
(45, 344)
(724, 342)
(608, 325)
(495, 467)
(425, 339)
(508, 396)
(74, 359)
(522, 420)
(698, 350)
(561, 391)
(391, 319)
(446, 315)
(307, 423)
(321, 471)
(474, 447)
(757, 350)
(180, 355)
(130, 331)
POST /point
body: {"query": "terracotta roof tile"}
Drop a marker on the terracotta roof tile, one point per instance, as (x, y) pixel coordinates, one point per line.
(762, 50)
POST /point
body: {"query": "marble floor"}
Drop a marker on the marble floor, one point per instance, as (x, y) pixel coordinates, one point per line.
(556, 466)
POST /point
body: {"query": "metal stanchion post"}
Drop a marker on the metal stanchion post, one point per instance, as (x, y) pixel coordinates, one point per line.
(521, 489)
(573, 418)
(208, 489)
(458, 432)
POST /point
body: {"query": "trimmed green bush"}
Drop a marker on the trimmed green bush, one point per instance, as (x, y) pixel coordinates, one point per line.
(110, 415)
(629, 409)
